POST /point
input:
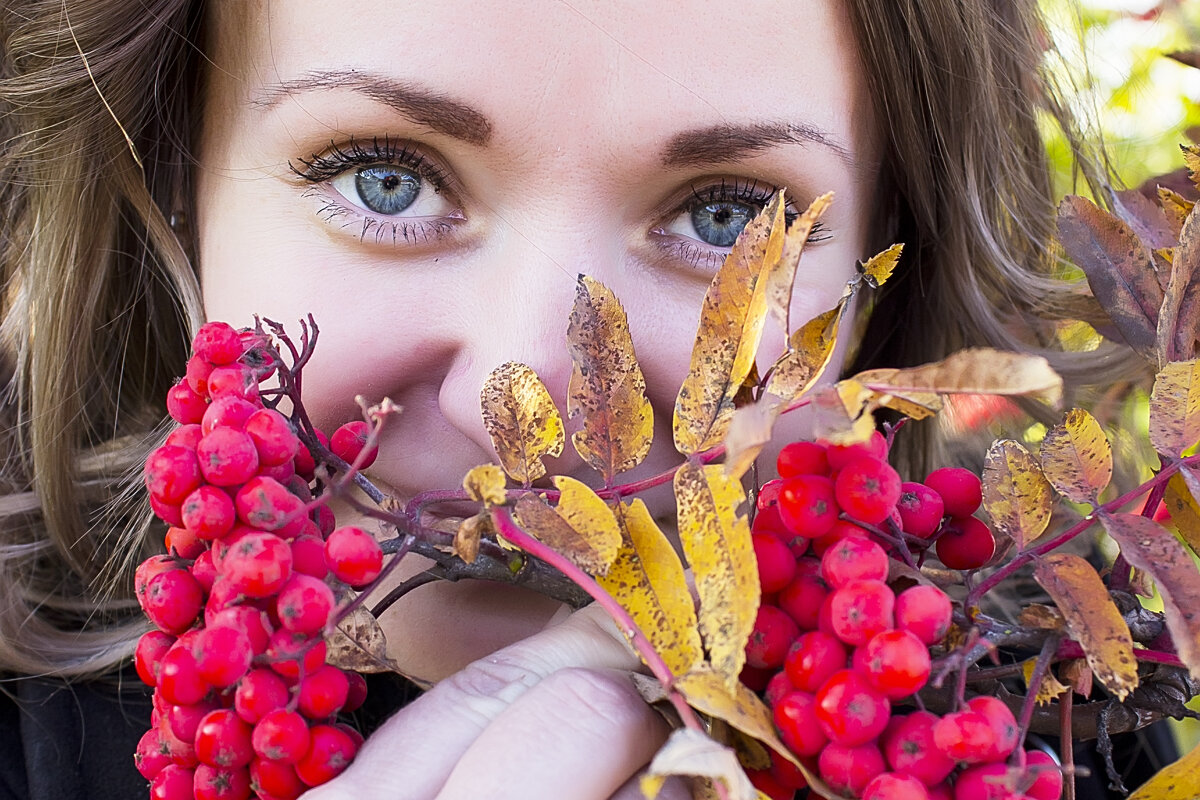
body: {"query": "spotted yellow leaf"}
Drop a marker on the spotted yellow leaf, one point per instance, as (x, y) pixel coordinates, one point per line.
(522, 420)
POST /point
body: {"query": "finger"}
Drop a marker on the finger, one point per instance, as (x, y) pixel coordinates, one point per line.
(412, 754)
(579, 733)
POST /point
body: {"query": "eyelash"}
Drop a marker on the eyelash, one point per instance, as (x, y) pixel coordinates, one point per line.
(320, 168)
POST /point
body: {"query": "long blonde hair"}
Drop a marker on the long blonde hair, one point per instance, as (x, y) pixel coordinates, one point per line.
(99, 106)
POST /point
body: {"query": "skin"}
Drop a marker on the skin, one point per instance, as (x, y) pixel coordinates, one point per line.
(582, 103)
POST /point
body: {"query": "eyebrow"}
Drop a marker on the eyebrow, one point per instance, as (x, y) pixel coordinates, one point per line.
(711, 144)
(420, 105)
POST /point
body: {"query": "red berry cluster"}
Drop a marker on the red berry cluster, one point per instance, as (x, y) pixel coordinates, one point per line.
(245, 704)
(836, 651)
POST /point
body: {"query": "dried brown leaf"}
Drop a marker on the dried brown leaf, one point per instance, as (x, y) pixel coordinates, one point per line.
(689, 752)
(1076, 673)
(1046, 618)
(840, 413)
(1175, 408)
(1191, 153)
(582, 527)
(731, 325)
(485, 484)
(607, 386)
(1151, 547)
(468, 535)
(1016, 494)
(973, 371)
(1077, 457)
(1176, 206)
(749, 431)
(1118, 269)
(647, 579)
(522, 420)
(716, 540)
(1179, 320)
(782, 275)
(1092, 618)
(358, 643)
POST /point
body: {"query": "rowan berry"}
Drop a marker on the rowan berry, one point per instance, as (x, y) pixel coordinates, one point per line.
(227, 412)
(147, 656)
(227, 457)
(909, 748)
(773, 633)
(921, 509)
(173, 782)
(853, 558)
(965, 736)
(187, 436)
(867, 489)
(250, 619)
(990, 781)
(807, 505)
(171, 473)
(356, 559)
(924, 611)
(273, 437)
(1004, 724)
(1047, 776)
(965, 543)
(179, 680)
(850, 711)
(874, 446)
(208, 512)
(795, 716)
(281, 735)
(196, 374)
(768, 785)
(861, 609)
(847, 769)
(173, 599)
(308, 556)
(223, 739)
(323, 692)
(768, 521)
(356, 692)
(266, 504)
(224, 654)
(275, 780)
(960, 490)
(840, 530)
(258, 564)
(185, 406)
(802, 458)
(167, 512)
(184, 720)
(896, 663)
(776, 687)
(183, 543)
(291, 654)
(787, 773)
(349, 440)
(814, 658)
(218, 343)
(218, 783)
(331, 752)
(233, 380)
(768, 494)
(895, 786)
(776, 564)
(304, 604)
(260, 692)
(151, 755)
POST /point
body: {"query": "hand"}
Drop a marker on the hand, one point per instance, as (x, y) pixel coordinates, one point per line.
(555, 715)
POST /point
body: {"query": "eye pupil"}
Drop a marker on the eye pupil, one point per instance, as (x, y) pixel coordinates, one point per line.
(387, 189)
(719, 224)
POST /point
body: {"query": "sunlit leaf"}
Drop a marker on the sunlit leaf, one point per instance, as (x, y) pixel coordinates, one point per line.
(1178, 781)
(879, 267)
(647, 579)
(1118, 269)
(750, 431)
(840, 414)
(731, 325)
(606, 386)
(782, 275)
(1175, 408)
(1050, 687)
(582, 527)
(1176, 206)
(1191, 159)
(1016, 494)
(810, 349)
(1092, 619)
(522, 420)
(973, 371)
(1154, 549)
(485, 484)
(1077, 457)
(888, 391)
(689, 752)
(1180, 500)
(716, 540)
(358, 644)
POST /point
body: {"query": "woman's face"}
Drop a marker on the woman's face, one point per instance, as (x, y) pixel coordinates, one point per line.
(428, 182)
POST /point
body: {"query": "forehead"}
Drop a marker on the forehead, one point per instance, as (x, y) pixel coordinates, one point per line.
(589, 78)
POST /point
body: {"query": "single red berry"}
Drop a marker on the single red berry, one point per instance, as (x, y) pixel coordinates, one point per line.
(233, 380)
(196, 375)
(291, 654)
(787, 773)
(349, 440)
(223, 739)
(173, 600)
(167, 512)
(867, 489)
(796, 718)
(1047, 776)
(331, 751)
(276, 780)
(921, 509)
(281, 735)
(909, 748)
(304, 604)
(260, 692)
(774, 631)
(151, 755)
(185, 720)
(768, 785)
(208, 512)
(353, 556)
(308, 556)
(267, 505)
(776, 564)
(323, 692)
(848, 769)
(356, 692)
(257, 564)
(248, 618)
(840, 530)
(990, 781)
(853, 558)
(895, 786)
(184, 543)
(777, 686)
(227, 457)
(217, 783)
(807, 505)
(1003, 723)
(218, 343)
(896, 663)
(171, 473)
(273, 436)
(768, 494)
(182, 753)
(224, 655)
(179, 679)
(813, 659)
(802, 458)
(187, 436)
(173, 782)
(965, 543)
(850, 711)
(147, 657)
(861, 609)
(839, 455)
(960, 490)
(965, 736)
(924, 611)
(227, 412)
(185, 406)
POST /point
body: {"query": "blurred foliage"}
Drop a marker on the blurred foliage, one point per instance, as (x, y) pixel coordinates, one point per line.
(1122, 87)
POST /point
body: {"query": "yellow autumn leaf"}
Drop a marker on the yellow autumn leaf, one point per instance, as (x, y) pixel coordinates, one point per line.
(606, 387)
(689, 752)
(1191, 160)
(810, 348)
(582, 527)
(731, 325)
(979, 370)
(485, 484)
(749, 431)
(1092, 619)
(1175, 408)
(1077, 457)
(782, 275)
(522, 420)
(1175, 205)
(1154, 549)
(879, 267)
(647, 579)
(1050, 687)
(1016, 495)
(1180, 500)
(840, 413)
(888, 391)
(709, 693)
(1175, 335)
(1178, 781)
(716, 540)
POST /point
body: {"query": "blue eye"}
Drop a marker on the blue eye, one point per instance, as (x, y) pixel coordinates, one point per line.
(719, 224)
(387, 189)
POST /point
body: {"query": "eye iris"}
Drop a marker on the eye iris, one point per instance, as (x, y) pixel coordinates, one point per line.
(719, 224)
(387, 190)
